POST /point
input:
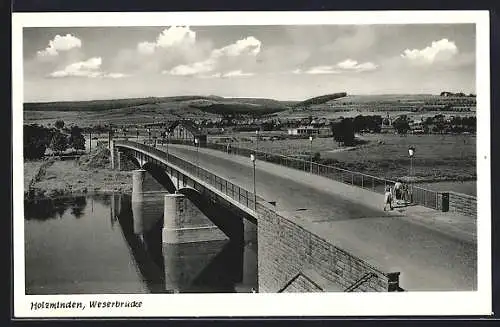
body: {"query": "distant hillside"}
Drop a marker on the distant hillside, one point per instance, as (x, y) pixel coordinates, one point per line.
(321, 99)
(98, 105)
(175, 105)
(459, 94)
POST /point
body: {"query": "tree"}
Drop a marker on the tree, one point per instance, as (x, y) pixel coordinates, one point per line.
(59, 143)
(35, 142)
(401, 125)
(359, 123)
(76, 138)
(343, 131)
(59, 124)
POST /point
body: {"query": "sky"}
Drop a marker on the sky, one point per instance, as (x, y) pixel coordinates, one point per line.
(285, 62)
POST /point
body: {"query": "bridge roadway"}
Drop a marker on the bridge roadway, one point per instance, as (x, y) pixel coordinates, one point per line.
(434, 251)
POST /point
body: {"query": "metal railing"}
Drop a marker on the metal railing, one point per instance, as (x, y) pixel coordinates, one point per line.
(418, 195)
(234, 191)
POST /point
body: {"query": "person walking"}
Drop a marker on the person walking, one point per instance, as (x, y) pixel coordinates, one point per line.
(387, 198)
(406, 194)
(397, 190)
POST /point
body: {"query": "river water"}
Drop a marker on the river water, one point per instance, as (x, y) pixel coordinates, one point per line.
(91, 244)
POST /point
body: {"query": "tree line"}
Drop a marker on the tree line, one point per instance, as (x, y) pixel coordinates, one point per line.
(344, 129)
(37, 139)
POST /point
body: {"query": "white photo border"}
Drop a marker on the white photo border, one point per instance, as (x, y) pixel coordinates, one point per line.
(299, 304)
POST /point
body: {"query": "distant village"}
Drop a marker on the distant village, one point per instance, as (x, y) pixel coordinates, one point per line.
(304, 127)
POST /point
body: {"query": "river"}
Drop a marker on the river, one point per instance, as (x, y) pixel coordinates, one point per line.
(91, 244)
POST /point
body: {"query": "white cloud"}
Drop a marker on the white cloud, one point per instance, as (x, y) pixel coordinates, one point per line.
(353, 65)
(236, 73)
(322, 70)
(60, 43)
(90, 68)
(174, 36)
(347, 65)
(438, 50)
(249, 46)
(200, 67)
(146, 47)
(115, 75)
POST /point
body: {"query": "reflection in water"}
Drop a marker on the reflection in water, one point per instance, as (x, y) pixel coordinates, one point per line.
(215, 266)
(107, 244)
(145, 247)
(54, 208)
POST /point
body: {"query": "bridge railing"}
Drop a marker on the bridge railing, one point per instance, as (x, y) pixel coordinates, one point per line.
(232, 190)
(419, 195)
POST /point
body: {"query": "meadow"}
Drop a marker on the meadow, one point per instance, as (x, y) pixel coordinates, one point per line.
(437, 157)
(290, 147)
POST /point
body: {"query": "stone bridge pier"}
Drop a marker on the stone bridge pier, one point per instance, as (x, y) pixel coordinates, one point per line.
(183, 221)
(182, 228)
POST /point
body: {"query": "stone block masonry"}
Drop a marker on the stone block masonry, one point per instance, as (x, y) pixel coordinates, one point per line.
(463, 203)
(287, 250)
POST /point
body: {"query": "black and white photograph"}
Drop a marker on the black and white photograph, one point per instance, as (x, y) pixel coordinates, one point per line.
(202, 164)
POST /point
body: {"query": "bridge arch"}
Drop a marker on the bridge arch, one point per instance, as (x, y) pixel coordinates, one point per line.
(160, 175)
(227, 221)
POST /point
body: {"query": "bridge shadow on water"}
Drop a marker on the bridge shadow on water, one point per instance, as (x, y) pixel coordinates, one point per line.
(196, 267)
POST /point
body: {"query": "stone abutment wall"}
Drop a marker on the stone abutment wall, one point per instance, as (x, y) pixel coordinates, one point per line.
(288, 251)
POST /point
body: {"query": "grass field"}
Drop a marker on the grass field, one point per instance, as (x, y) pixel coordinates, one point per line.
(293, 147)
(437, 157)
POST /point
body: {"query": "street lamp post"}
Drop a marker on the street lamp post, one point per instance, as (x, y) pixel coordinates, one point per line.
(149, 133)
(168, 134)
(137, 134)
(252, 157)
(197, 142)
(311, 154)
(256, 141)
(411, 153)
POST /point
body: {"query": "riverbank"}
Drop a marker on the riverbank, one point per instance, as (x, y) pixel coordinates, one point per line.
(89, 174)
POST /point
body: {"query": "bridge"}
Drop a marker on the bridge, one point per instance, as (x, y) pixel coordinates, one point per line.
(313, 233)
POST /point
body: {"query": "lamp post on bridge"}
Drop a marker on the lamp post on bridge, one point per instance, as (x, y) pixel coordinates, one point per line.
(411, 153)
(168, 135)
(256, 142)
(197, 144)
(311, 154)
(252, 157)
(149, 133)
(110, 135)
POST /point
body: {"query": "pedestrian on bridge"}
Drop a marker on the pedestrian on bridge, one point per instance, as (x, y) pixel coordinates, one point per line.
(398, 188)
(405, 194)
(388, 198)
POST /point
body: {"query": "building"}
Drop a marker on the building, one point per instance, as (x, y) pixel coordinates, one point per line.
(386, 126)
(308, 130)
(187, 131)
(417, 127)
